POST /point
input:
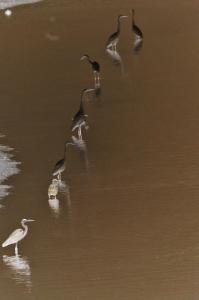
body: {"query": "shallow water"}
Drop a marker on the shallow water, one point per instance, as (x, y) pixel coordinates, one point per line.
(125, 223)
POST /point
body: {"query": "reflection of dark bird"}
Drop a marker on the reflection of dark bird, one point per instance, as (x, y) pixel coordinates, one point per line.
(137, 46)
(81, 146)
(95, 67)
(17, 235)
(61, 164)
(79, 119)
(138, 33)
(116, 58)
(114, 38)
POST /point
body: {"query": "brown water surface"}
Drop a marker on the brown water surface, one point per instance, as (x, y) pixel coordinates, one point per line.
(126, 222)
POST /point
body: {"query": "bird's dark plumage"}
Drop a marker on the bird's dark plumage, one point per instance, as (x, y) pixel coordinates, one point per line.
(59, 167)
(94, 64)
(114, 37)
(79, 117)
(135, 28)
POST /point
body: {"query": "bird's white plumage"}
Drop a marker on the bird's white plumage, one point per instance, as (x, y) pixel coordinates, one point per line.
(14, 237)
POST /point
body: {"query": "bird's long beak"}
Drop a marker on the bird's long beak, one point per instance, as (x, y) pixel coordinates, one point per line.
(30, 220)
(124, 17)
(89, 90)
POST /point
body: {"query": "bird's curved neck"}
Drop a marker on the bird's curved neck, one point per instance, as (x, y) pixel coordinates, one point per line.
(118, 25)
(133, 18)
(89, 59)
(81, 103)
(25, 227)
(65, 151)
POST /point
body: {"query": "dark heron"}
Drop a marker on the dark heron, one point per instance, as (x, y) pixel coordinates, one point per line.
(114, 38)
(61, 164)
(138, 33)
(79, 119)
(17, 235)
(95, 67)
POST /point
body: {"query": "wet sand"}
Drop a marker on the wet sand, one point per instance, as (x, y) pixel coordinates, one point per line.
(126, 224)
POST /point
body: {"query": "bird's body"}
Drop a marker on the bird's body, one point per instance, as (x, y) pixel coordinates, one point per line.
(114, 38)
(137, 31)
(60, 167)
(17, 235)
(95, 68)
(61, 164)
(53, 189)
(79, 118)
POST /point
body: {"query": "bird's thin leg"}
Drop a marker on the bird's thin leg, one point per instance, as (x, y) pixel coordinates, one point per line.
(98, 77)
(80, 132)
(95, 80)
(16, 250)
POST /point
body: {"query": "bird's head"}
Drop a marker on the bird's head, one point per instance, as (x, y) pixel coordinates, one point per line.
(27, 220)
(122, 16)
(84, 56)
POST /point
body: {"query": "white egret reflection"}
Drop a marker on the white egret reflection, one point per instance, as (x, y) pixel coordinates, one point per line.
(8, 167)
(20, 269)
(12, 3)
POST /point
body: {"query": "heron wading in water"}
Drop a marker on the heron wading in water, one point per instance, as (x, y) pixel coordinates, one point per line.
(16, 236)
(60, 166)
(114, 38)
(95, 67)
(79, 119)
(137, 31)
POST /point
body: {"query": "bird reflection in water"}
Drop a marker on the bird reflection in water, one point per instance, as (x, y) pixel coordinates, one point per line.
(20, 269)
(55, 206)
(52, 196)
(65, 190)
(81, 146)
(55, 187)
(54, 203)
(137, 46)
(116, 59)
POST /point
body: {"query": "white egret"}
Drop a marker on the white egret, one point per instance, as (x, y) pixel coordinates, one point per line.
(17, 235)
